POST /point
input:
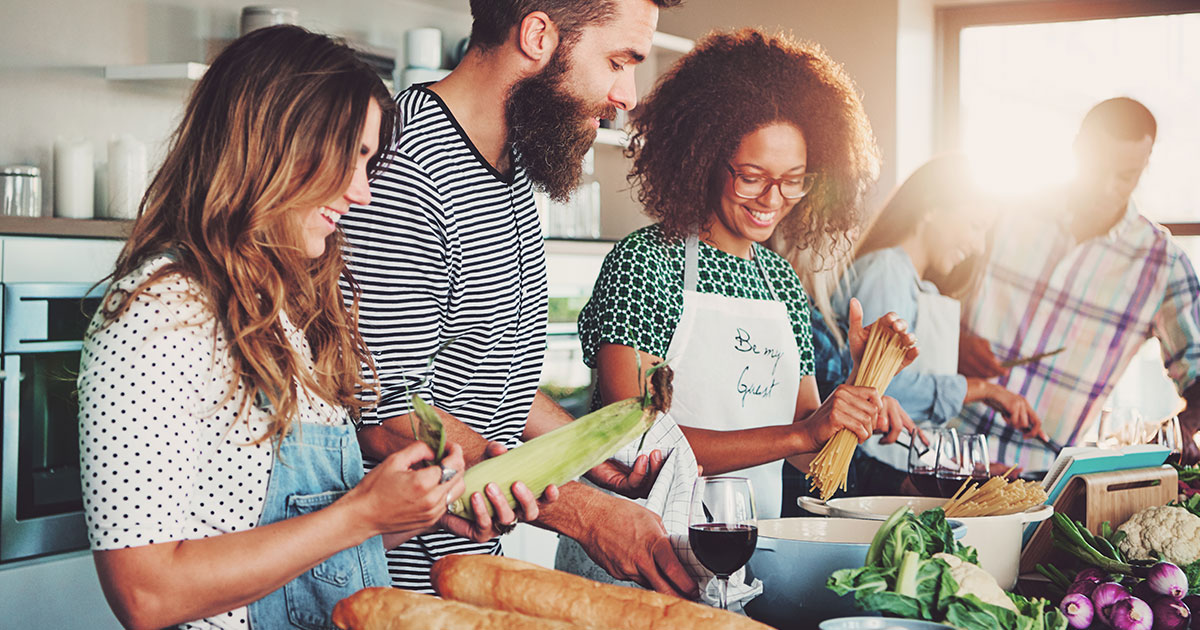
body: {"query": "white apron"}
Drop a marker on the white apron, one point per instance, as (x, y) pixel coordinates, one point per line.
(736, 367)
(936, 330)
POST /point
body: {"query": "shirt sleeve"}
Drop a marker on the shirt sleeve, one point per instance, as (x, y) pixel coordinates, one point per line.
(139, 384)
(631, 303)
(1177, 323)
(400, 252)
(882, 286)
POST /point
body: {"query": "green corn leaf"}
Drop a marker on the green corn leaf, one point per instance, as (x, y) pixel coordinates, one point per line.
(430, 429)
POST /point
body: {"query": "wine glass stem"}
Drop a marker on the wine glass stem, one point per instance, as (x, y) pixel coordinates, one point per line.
(724, 592)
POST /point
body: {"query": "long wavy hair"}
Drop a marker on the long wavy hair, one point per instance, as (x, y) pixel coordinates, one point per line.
(943, 183)
(730, 85)
(274, 127)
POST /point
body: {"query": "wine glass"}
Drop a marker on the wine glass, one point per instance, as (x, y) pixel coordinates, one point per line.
(922, 462)
(1170, 435)
(975, 459)
(722, 527)
(948, 468)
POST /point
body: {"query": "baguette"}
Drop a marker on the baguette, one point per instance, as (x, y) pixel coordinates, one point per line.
(513, 585)
(396, 609)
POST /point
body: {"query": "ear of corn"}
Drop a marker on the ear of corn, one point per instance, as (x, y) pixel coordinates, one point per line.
(568, 451)
(558, 456)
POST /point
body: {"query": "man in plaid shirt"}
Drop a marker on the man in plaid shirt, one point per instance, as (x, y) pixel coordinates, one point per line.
(1082, 269)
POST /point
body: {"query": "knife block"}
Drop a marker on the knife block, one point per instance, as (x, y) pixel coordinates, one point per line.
(1098, 497)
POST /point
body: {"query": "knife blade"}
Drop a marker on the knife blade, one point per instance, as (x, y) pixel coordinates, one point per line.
(1012, 363)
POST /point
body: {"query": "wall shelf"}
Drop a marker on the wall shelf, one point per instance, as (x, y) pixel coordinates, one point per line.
(673, 43)
(184, 71)
(70, 228)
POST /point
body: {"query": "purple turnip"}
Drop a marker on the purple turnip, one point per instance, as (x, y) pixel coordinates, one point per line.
(1078, 609)
(1131, 613)
(1170, 614)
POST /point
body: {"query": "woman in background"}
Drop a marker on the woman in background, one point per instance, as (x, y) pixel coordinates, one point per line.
(223, 483)
(922, 254)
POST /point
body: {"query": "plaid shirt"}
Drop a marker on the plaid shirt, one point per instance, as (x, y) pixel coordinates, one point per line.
(1101, 299)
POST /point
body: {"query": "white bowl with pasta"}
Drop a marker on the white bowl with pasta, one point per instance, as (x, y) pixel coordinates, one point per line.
(996, 538)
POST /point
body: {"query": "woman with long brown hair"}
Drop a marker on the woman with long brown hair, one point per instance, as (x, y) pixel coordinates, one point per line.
(922, 254)
(223, 484)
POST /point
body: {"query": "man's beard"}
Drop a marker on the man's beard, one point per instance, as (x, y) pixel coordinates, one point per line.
(549, 129)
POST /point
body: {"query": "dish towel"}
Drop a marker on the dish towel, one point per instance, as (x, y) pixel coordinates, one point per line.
(670, 497)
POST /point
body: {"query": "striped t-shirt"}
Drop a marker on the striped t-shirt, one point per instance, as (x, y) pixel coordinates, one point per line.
(449, 250)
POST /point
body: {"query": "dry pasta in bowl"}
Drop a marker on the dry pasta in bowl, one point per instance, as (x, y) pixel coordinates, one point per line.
(995, 497)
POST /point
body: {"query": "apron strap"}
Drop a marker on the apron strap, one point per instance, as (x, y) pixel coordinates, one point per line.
(691, 262)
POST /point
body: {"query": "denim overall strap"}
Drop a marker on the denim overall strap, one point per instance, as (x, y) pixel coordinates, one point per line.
(316, 465)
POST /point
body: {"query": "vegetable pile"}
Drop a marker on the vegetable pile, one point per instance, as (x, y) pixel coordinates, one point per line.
(1128, 584)
(915, 569)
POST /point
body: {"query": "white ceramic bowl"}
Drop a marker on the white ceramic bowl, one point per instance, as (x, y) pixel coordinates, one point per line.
(996, 538)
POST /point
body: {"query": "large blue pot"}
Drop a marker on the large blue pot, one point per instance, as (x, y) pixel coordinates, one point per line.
(794, 559)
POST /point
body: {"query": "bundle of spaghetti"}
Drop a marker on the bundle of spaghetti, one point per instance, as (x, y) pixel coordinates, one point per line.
(996, 497)
(881, 360)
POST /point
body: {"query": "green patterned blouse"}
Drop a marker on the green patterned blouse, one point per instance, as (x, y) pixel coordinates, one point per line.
(638, 298)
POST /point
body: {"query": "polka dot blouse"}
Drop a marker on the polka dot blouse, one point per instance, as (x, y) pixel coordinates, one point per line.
(164, 454)
(638, 298)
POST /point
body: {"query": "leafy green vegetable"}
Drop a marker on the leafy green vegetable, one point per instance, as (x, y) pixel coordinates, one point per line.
(1192, 504)
(902, 578)
(430, 429)
(1187, 474)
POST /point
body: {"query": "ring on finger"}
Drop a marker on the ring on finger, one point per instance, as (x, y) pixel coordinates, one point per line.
(447, 473)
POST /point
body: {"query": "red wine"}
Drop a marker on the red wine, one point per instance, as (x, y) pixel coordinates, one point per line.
(925, 483)
(949, 484)
(723, 548)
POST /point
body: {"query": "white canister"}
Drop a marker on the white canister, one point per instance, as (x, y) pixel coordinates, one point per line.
(126, 177)
(256, 17)
(423, 48)
(74, 179)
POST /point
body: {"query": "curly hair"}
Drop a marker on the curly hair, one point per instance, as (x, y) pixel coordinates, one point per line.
(730, 85)
(274, 126)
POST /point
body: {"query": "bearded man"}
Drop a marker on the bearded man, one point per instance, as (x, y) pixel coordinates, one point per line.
(450, 250)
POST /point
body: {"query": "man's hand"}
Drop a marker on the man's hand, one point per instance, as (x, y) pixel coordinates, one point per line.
(631, 544)
(635, 482)
(975, 357)
(486, 527)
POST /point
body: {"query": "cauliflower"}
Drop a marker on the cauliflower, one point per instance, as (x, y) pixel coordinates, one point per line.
(1172, 531)
(973, 580)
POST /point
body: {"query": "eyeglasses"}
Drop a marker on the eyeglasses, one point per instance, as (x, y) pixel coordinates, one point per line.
(751, 186)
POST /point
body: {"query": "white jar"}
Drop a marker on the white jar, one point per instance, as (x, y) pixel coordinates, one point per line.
(423, 48)
(126, 177)
(74, 179)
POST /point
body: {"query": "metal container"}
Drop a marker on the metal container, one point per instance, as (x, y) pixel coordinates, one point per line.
(21, 191)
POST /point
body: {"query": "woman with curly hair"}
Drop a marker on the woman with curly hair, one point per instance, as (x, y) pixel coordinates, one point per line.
(749, 134)
(223, 482)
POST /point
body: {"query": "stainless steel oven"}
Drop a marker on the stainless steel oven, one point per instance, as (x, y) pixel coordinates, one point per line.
(43, 325)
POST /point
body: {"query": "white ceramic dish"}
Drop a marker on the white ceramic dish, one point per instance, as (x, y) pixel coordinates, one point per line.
(996, 538)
